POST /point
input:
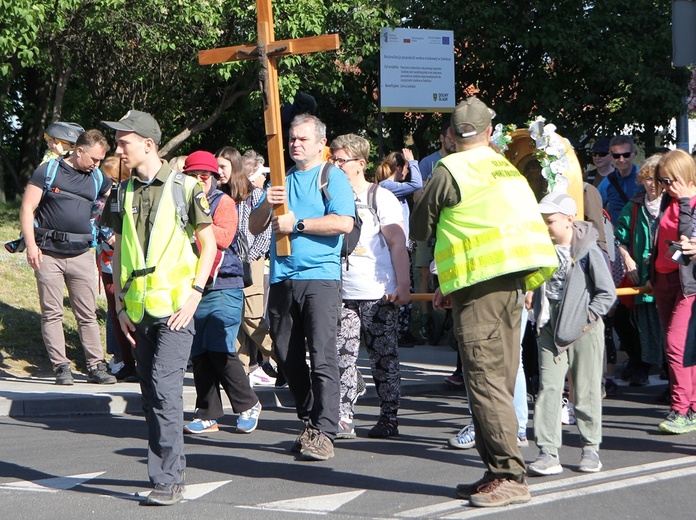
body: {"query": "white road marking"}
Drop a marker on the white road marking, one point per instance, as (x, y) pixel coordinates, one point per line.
(193, 491)
(321, 504)
(652, 467)
(50, 485)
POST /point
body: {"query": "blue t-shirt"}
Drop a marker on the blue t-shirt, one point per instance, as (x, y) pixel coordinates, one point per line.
(612, 200)
(427, 164)
(314, 257)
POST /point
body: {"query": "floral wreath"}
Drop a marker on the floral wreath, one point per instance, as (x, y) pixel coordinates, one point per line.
(550, 151)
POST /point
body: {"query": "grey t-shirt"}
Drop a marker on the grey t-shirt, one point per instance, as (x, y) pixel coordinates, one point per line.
(555, 287)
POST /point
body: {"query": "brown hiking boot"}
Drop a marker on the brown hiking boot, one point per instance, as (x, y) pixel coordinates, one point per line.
(466, 490)
(302, 440)
(319, 447)
(501, 492)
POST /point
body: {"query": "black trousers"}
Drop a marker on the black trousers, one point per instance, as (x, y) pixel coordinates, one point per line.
(210, 371)
(303, 315)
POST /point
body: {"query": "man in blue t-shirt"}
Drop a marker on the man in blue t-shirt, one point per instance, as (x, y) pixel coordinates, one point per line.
(618, 187)
(304, 295)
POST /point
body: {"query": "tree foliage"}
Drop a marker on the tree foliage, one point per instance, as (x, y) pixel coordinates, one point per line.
(589, 67)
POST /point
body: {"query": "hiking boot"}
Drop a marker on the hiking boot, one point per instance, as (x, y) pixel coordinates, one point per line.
(385, 427)
(501, 492)
(64, 375)
(201, 426)
(466, 490)
(248, 420)
(545, 464)
(165, 495)
(127, 374)
(589, 461)
(99, 375)
(345, 430)
(677, 423)
(319, 447)
(302, 439)
(465, 439)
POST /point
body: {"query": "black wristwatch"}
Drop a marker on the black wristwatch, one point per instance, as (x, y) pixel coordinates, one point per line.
(300, 227)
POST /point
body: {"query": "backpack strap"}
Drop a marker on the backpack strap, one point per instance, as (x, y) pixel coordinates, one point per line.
(372, 201)
(324, 180)
(51, 170)
(615, 182)
(180, 202)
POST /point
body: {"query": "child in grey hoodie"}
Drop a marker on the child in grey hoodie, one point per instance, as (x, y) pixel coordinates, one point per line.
(568, 309)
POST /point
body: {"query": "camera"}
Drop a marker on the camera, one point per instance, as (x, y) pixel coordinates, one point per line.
(16, 246)
(674, 253)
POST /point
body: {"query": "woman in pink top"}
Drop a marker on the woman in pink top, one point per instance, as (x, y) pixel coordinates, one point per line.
(674, 284)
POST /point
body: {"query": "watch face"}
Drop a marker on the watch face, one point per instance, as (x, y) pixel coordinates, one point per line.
(300, 226)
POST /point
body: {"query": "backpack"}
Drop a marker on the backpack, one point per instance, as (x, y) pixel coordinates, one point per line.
(97, 202)
(350, 239)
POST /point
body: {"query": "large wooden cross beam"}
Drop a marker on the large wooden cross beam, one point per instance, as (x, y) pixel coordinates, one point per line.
(266, 51)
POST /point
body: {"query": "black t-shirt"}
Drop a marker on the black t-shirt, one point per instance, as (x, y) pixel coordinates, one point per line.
(67, 206)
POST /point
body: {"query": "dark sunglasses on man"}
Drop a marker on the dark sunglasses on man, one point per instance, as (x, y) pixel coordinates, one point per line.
(625, 155)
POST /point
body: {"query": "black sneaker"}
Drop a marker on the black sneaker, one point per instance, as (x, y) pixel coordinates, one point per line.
(639, 378)
(384, 428)
(127, 374)
(281, 382)
(407, 340)
(100, 376)
(165, 495)
(64, 375)
(269, 370)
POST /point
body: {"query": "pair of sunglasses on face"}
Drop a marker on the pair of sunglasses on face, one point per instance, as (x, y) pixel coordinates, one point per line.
(625, 155)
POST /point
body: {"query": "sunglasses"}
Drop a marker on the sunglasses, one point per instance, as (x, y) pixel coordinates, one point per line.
(665, 180)
(625, 155)
(600, 154)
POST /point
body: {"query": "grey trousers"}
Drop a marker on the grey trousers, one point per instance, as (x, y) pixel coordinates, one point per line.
(162, 355)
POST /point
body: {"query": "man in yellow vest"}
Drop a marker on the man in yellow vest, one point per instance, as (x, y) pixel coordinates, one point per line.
(492, 246)
(160, 279)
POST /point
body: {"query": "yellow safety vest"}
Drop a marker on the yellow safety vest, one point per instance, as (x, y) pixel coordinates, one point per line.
(496, 228)
(160, 283)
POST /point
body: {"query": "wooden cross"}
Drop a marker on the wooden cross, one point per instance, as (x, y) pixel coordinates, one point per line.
(266, 52)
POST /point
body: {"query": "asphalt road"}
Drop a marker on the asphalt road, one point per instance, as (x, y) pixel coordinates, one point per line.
(94, 467)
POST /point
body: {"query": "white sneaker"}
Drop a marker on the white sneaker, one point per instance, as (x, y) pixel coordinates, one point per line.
(567, 412)
(114, 367)
(260, 378)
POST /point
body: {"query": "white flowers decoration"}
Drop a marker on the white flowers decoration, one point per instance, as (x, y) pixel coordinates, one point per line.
(551, 154)
(502, 137)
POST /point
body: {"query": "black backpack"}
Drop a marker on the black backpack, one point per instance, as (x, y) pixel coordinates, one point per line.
(350, 239)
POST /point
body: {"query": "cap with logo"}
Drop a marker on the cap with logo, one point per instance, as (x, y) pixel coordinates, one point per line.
(68, 132)
(474, 112)
(558, 203)
(141, 123)
(601, 145)
(201, 161)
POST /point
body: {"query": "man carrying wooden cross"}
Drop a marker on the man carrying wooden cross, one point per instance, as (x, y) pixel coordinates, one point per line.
(304, 295)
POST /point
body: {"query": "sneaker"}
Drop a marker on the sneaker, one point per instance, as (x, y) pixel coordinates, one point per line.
(100, 376)
(64, 375)
(455, 379)
(522, 441)
(465, 439)
(545, 464)
(466, 490)
(345, 429)
(319, 447)
(567, 412)
(385, 427)
(259, 378)
(201, 426)
(127, 374)
(627, 373)
(269, 370)
(639, 378)
(165, 495)
(114, 366)
(610, 388)
(248, 420)
(589, 461)
(501, 492)
(677, 423)
(280, 381)
(302, 439)
(407, 340)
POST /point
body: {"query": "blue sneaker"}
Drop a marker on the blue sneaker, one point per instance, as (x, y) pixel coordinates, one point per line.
(465, 439)
(201, 426)
(249, 419)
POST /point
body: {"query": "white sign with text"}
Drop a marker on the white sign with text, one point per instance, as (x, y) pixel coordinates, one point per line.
(417, 70)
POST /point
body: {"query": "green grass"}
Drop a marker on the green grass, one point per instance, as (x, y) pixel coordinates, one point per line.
(22, 351)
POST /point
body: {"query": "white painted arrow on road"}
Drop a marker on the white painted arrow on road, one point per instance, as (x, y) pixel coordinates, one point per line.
(321, 504)
(51, 485)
